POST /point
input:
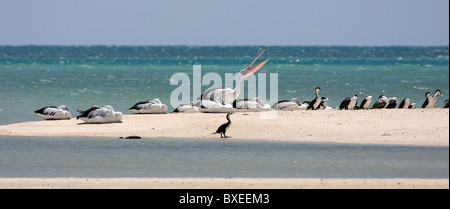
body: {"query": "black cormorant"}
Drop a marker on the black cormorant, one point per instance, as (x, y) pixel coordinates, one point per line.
(314, 104)
(224, 127)
(349, 103)
(431, 100)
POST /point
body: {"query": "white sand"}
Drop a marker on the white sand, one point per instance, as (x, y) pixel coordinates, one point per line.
(389, 126)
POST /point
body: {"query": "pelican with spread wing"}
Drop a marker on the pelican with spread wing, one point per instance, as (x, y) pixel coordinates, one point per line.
(224, 96)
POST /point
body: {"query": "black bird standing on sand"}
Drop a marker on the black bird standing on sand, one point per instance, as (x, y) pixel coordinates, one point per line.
(224, 127)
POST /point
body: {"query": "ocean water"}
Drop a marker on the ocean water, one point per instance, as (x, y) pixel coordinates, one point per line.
(112, 157)
(32, 77)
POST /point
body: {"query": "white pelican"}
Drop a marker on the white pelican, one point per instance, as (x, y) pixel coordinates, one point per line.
(381, 103)
(186, 108)
(101, 115)
(288, 105)
(225, 96)
(154, 106)
(430, 101)
(349, 103)
(93, 107)
(54, 113)
(255, 104)
(209, 104)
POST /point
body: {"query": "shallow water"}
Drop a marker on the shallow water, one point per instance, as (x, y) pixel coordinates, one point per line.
(163, 157)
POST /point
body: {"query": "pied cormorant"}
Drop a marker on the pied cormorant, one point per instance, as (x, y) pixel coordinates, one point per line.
(224, 127)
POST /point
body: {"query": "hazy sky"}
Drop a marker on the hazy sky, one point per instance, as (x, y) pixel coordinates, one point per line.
(225, 22)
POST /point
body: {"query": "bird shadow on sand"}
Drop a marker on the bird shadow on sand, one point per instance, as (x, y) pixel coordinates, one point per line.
(84, 123)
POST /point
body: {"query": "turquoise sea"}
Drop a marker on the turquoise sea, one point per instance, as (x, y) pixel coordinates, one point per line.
(32, 77)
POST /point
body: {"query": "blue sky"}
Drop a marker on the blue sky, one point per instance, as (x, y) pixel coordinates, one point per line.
(230, 22)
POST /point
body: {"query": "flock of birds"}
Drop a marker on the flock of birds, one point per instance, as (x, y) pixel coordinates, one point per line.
(225, 100)
(351, 103)
(107, 114)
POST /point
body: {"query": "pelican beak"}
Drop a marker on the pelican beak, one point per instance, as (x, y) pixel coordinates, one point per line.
(252, 69)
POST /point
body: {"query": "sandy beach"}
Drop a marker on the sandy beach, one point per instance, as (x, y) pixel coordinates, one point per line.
(428, 127)
(383, 126)
(221, 183)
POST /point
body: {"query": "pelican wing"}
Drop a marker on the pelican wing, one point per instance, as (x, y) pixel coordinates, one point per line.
(50, 110)
(211, 94)
(89, 112)
(140, 105)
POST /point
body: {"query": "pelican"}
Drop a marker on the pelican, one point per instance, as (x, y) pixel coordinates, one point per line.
(209, 104)
(255, 104)
(224, 127)
(365, 104)
(314, 104)
(430, 101)
(393, 101)
(54, 113)
(154, 106)
(287, 105)
(101, 115)
(226, 95)
(404, 104)
(186, 108)
(93, 107)
(381, 103)
(349, 103)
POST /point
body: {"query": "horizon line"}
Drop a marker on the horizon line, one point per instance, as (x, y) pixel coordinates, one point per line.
(218, 45)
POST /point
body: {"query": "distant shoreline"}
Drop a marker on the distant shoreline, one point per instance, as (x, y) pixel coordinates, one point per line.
(224, 45)
(222, 183)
